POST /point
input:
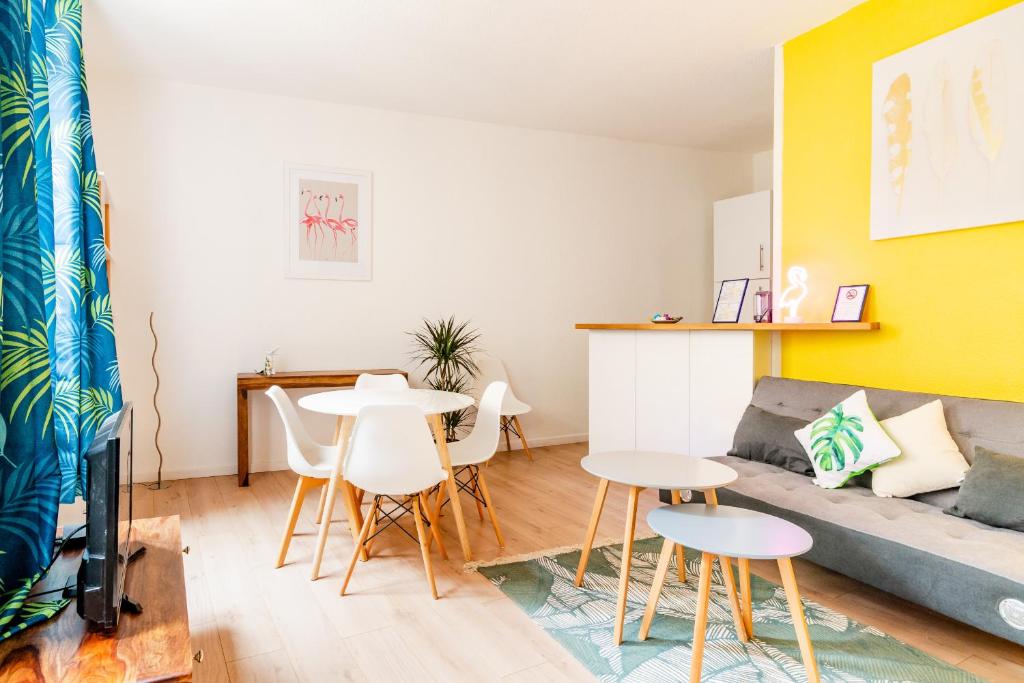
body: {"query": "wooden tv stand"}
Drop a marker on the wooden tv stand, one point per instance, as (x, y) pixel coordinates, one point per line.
(151, 646)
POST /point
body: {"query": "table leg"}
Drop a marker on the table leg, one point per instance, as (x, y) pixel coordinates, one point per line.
(595, 517)
(711, 497)
(796, 611)
(656, 585)
(747, 602)
(243, 437)
(627, 561)
(734, 603)
(700, 622)
(677, 498)
(446, 462)
(342, 430)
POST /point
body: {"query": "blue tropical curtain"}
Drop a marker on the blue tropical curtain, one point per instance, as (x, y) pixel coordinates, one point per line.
(58, 367)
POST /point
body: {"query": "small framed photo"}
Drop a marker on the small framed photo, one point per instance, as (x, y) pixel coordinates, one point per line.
(730, 301)
(849, 304)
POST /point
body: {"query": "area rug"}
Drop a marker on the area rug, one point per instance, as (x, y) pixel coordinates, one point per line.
(580, 619)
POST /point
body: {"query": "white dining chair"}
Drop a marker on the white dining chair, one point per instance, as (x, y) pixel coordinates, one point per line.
(313, 462)
(392, 455)
(368, 381)
(476, 449)
(491, 369)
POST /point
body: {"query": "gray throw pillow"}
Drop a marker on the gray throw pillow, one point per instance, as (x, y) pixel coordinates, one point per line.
(993, 491)
(766, 437)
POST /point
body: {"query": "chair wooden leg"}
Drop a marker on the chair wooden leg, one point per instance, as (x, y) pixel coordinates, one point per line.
(301, 486)
(490, 508)
(522, 436)
(627, 562)
(700, 622)
(677, 498)
(659, 581)
(374, 521)
(320, 505)
(734, 603)
(595, 517)
(421, 534)
(435, 529)
(504, 428)
(352, 510)
(476, 499)
(796, 611)
(745, 597)
(363, 533)
(343, 429)
(438, 502)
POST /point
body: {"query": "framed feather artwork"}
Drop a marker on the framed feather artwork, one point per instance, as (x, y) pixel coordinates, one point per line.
(947, 130)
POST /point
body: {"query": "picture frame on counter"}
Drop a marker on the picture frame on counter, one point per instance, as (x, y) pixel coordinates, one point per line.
(729, 304)
(849, 306)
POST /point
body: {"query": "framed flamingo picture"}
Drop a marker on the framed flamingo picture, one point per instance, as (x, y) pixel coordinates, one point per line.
(328, 224)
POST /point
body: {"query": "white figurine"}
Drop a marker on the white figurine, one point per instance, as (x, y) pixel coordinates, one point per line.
(794, 294)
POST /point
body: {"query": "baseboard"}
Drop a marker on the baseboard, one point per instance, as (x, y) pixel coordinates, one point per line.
(274, 464)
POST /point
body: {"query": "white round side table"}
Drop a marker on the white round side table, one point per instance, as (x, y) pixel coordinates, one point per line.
(641, 470)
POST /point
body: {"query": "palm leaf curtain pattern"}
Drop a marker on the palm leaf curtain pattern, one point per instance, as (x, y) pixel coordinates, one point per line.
(58, 369)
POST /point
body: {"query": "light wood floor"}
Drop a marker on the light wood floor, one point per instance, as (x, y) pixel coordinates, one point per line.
(257, 623)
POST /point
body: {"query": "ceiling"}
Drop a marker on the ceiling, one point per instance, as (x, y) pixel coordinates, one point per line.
(678, 72)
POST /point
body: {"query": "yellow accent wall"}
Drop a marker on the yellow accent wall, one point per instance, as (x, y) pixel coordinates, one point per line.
(951, 304)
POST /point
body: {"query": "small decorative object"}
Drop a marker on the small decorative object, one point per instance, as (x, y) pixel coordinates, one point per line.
(730, 301)
(268, 363)
(665, 318)
(446, 348)
(328, 224)
(849, 304)
(762, 306)
(794, 294)
(159, 484)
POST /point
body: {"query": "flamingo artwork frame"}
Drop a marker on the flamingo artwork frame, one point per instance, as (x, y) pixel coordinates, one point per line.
(328, 222)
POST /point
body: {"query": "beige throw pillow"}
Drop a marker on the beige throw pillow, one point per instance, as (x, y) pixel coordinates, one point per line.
(931, 460)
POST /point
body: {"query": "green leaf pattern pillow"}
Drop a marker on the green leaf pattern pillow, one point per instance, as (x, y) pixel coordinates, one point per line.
(846, 441)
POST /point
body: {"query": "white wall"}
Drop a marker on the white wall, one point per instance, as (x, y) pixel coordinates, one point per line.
(762, 169)
(524, 232)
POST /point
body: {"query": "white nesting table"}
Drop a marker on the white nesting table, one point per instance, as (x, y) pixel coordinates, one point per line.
(725, 532)
(640, 470)
(346, 404)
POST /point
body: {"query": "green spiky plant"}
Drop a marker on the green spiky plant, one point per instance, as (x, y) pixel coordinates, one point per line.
(446, 348)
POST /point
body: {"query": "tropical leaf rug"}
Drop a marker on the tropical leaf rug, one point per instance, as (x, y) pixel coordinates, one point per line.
(580, 619)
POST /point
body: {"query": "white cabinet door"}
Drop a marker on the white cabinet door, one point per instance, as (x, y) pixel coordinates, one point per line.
(743, 231)
(612, 390)
(721, 384)
(663, 391)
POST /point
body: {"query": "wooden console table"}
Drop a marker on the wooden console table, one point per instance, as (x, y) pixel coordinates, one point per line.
(307, 379)
(153, 645)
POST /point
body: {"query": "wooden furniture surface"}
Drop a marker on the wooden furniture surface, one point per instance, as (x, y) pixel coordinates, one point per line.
(755, 327)
(151, 646)
(304, 379)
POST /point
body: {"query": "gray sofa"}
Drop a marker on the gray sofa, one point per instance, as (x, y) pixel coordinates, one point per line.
(964, 569)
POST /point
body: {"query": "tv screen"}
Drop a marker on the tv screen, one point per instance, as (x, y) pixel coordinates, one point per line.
(108, 519)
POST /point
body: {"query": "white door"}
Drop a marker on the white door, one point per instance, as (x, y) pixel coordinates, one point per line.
(743, 230)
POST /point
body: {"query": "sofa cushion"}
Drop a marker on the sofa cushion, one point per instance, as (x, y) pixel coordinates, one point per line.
(766, 437)
(993, 491)
(846, 441)
(930, 461)
(901, 520)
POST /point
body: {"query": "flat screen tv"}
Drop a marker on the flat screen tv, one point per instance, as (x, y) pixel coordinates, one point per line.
(108, 522)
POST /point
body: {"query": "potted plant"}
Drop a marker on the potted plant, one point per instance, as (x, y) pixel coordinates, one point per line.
(446, 348)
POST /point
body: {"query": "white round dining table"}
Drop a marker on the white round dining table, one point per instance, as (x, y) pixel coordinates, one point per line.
(346, 404)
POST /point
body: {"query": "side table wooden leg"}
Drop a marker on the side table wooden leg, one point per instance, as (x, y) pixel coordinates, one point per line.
(747, 600)
(677, 498)
(796, 611)
(656, 585)
(627, 562)
(711, 496)
(734, 603)
(242, 400)
(595, 517)
(700, 622)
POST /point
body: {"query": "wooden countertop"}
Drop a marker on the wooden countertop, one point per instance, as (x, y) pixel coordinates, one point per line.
(757, 327)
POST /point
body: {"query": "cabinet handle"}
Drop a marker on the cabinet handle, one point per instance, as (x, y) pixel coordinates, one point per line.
(761, 257)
